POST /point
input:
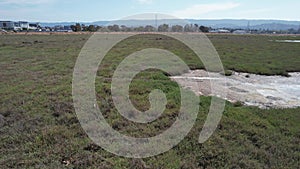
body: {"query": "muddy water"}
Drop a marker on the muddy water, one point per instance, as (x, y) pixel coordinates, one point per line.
(289, 41)
(251, 89)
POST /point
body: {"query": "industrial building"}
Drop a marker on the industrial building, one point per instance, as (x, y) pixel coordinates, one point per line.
(19, 26)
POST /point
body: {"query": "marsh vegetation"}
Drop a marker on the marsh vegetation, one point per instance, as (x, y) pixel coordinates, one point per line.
(39, 127)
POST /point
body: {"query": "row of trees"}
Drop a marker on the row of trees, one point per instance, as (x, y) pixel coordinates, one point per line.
(91, 28)
(167, 28)
(149, 28)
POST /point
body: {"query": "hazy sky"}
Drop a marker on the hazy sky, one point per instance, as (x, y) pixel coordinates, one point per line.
(95, 10)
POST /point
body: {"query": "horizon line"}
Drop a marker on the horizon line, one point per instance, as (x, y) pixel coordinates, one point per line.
(113, 20)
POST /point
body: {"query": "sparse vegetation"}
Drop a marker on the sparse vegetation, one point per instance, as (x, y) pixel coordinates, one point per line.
(228, 73)
(39, 128)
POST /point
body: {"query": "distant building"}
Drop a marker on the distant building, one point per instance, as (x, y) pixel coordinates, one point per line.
(7, 25)
(23, 25)
(220, 31)
(34, 26)
(61, 28)
(240, 32)
(223, 31)
(20, 26)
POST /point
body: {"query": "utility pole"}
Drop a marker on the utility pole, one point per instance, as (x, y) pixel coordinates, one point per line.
(156, 26)
(248, 27)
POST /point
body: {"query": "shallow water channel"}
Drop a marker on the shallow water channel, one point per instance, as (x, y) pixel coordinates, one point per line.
(250, 89)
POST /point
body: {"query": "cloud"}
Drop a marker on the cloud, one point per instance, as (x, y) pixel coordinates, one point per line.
(24, 2)
(252, 12)
(197, 10)
(145, 1)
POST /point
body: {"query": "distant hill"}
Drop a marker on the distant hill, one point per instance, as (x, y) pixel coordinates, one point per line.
(222, 23)
(253, 24)
(276, 26)
(52, 24)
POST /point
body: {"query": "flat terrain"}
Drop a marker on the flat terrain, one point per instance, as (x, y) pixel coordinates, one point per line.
(39, 128)
(258, 54)
(250, 89)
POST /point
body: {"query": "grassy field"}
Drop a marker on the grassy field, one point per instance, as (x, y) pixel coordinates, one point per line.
(39, 128)
(258, 54)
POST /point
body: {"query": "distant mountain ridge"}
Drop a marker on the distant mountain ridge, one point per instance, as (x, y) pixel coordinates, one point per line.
(52, 24)
(220, 23)
(253, 24)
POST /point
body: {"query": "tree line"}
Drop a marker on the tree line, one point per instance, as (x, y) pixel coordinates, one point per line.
(148, 28)
(167, 28)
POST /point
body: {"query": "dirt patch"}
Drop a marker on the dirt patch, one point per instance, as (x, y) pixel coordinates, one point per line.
(250, 89)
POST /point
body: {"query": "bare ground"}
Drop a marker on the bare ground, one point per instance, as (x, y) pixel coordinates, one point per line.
(250, 89)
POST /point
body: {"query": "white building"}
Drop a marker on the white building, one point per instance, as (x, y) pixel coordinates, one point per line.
(220, 31)
(18, 26)
(23, 25)
(223, 31)
(34, 26)
(240, 32)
